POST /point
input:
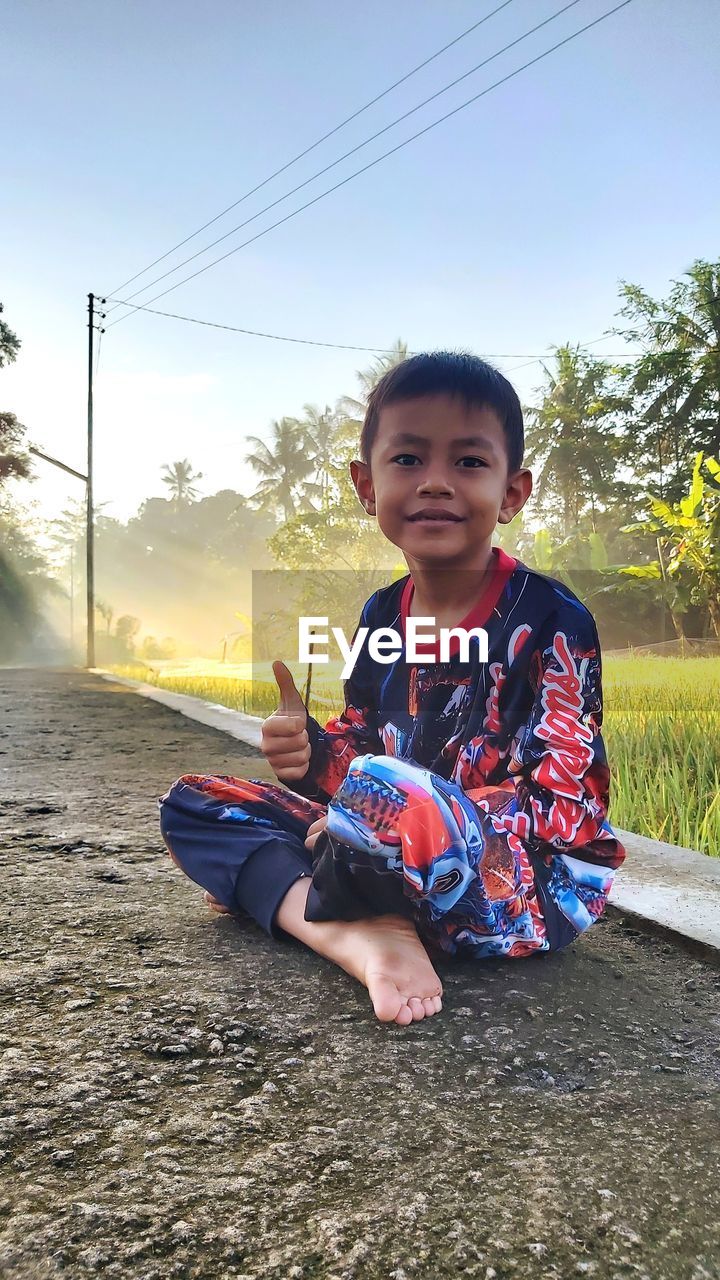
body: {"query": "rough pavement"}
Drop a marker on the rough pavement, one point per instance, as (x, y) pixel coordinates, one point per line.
(181, 1097)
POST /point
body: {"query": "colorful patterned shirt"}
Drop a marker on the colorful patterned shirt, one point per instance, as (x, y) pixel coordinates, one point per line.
(520, 733)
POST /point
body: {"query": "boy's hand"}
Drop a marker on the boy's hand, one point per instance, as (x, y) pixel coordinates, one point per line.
(314, 830)
(284, 742)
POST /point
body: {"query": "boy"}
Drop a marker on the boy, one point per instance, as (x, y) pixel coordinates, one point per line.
(457, 807)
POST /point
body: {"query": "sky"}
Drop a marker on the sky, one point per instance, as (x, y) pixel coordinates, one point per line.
(504, 230)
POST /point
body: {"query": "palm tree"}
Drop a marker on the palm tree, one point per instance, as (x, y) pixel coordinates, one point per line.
(569, 438)
(107, 613)
(382, 364)
(181, 478)
(321, 433)
(369, 378)
(677, 380)
(283, 466)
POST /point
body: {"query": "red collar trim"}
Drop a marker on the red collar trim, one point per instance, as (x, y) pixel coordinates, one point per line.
(499, 573)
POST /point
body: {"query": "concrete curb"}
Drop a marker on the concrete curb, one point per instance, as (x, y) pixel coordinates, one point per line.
(235, 723)
(674, 889)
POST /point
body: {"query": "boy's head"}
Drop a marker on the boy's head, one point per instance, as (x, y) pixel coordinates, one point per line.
(441, 459)
(448, 373)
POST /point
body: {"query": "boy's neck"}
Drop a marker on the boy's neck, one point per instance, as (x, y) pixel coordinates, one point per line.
(448, 594)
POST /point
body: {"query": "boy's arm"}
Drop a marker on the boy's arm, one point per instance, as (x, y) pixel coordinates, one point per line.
(559, 778)
(558, 762)
(353, 733)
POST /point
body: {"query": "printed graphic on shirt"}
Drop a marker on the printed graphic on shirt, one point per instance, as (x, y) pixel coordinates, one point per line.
(473, 891)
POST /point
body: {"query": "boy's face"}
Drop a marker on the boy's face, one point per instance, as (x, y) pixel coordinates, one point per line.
(438, 481)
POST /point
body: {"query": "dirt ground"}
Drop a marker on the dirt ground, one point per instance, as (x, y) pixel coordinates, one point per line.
(181, 1097)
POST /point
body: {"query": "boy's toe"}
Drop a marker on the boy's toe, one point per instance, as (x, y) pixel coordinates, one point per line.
(416, 1008)
(404, 1016)
(387, 1001)
(429, 1006)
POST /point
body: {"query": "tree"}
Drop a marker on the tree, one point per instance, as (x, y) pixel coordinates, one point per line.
(9, 342)
(688, 545)
(106, 612)
(181, 478)
(369, 378)
(153, 649)
(126, 629)
(24, 579)
(12, 461)
(321, 433)
(675, 384)
(382, 364)
(24, 583)
(284, 466)
(572, 442)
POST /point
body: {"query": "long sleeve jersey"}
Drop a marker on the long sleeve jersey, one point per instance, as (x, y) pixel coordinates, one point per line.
(519, 733)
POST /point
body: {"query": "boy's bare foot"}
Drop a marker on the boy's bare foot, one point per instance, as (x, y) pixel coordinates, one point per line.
(389, 958)
(214, 905)
(383, 952)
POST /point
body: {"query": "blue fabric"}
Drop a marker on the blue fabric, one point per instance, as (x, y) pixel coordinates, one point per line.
(245, 860)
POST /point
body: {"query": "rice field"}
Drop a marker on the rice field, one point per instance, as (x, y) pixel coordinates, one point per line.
(662, 733)
(661, 729)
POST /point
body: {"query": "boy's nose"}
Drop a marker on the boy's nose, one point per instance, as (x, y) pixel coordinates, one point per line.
(435, 483)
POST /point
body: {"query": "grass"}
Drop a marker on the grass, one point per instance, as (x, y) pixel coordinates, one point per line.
(662, 734)
(661, 730)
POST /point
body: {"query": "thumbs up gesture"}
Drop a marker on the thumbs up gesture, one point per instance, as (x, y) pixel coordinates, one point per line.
(284, 742)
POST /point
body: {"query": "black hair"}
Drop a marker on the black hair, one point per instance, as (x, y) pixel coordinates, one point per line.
(455, 374)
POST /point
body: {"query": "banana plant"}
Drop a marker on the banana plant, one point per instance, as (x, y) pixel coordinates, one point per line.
(687, 536)
(581, 552)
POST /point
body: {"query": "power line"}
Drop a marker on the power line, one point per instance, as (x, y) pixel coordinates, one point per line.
(346, 346)
(609, 13)
(317, 143)
(353, 150)
(255, 333)
(97, 357)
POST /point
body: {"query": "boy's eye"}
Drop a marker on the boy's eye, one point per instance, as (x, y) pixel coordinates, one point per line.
(410, 459)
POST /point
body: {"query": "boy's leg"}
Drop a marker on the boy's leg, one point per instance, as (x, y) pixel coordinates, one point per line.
(242, 841)
(383, 952)
(394, 827)
(240, 851)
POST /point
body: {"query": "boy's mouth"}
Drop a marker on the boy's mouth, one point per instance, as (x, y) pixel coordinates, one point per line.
(434, 515)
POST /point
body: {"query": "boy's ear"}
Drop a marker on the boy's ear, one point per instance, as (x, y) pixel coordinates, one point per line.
(519, 488)
(362, 480)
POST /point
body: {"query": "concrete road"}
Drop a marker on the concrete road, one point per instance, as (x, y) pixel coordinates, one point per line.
(181, 1097)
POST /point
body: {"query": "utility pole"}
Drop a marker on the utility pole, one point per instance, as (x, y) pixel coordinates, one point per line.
(88, 479)
(90, 539)
(89, 543)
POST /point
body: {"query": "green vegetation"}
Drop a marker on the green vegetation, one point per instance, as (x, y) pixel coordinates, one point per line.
(24, 576)
(662, 733)
(661, 730)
